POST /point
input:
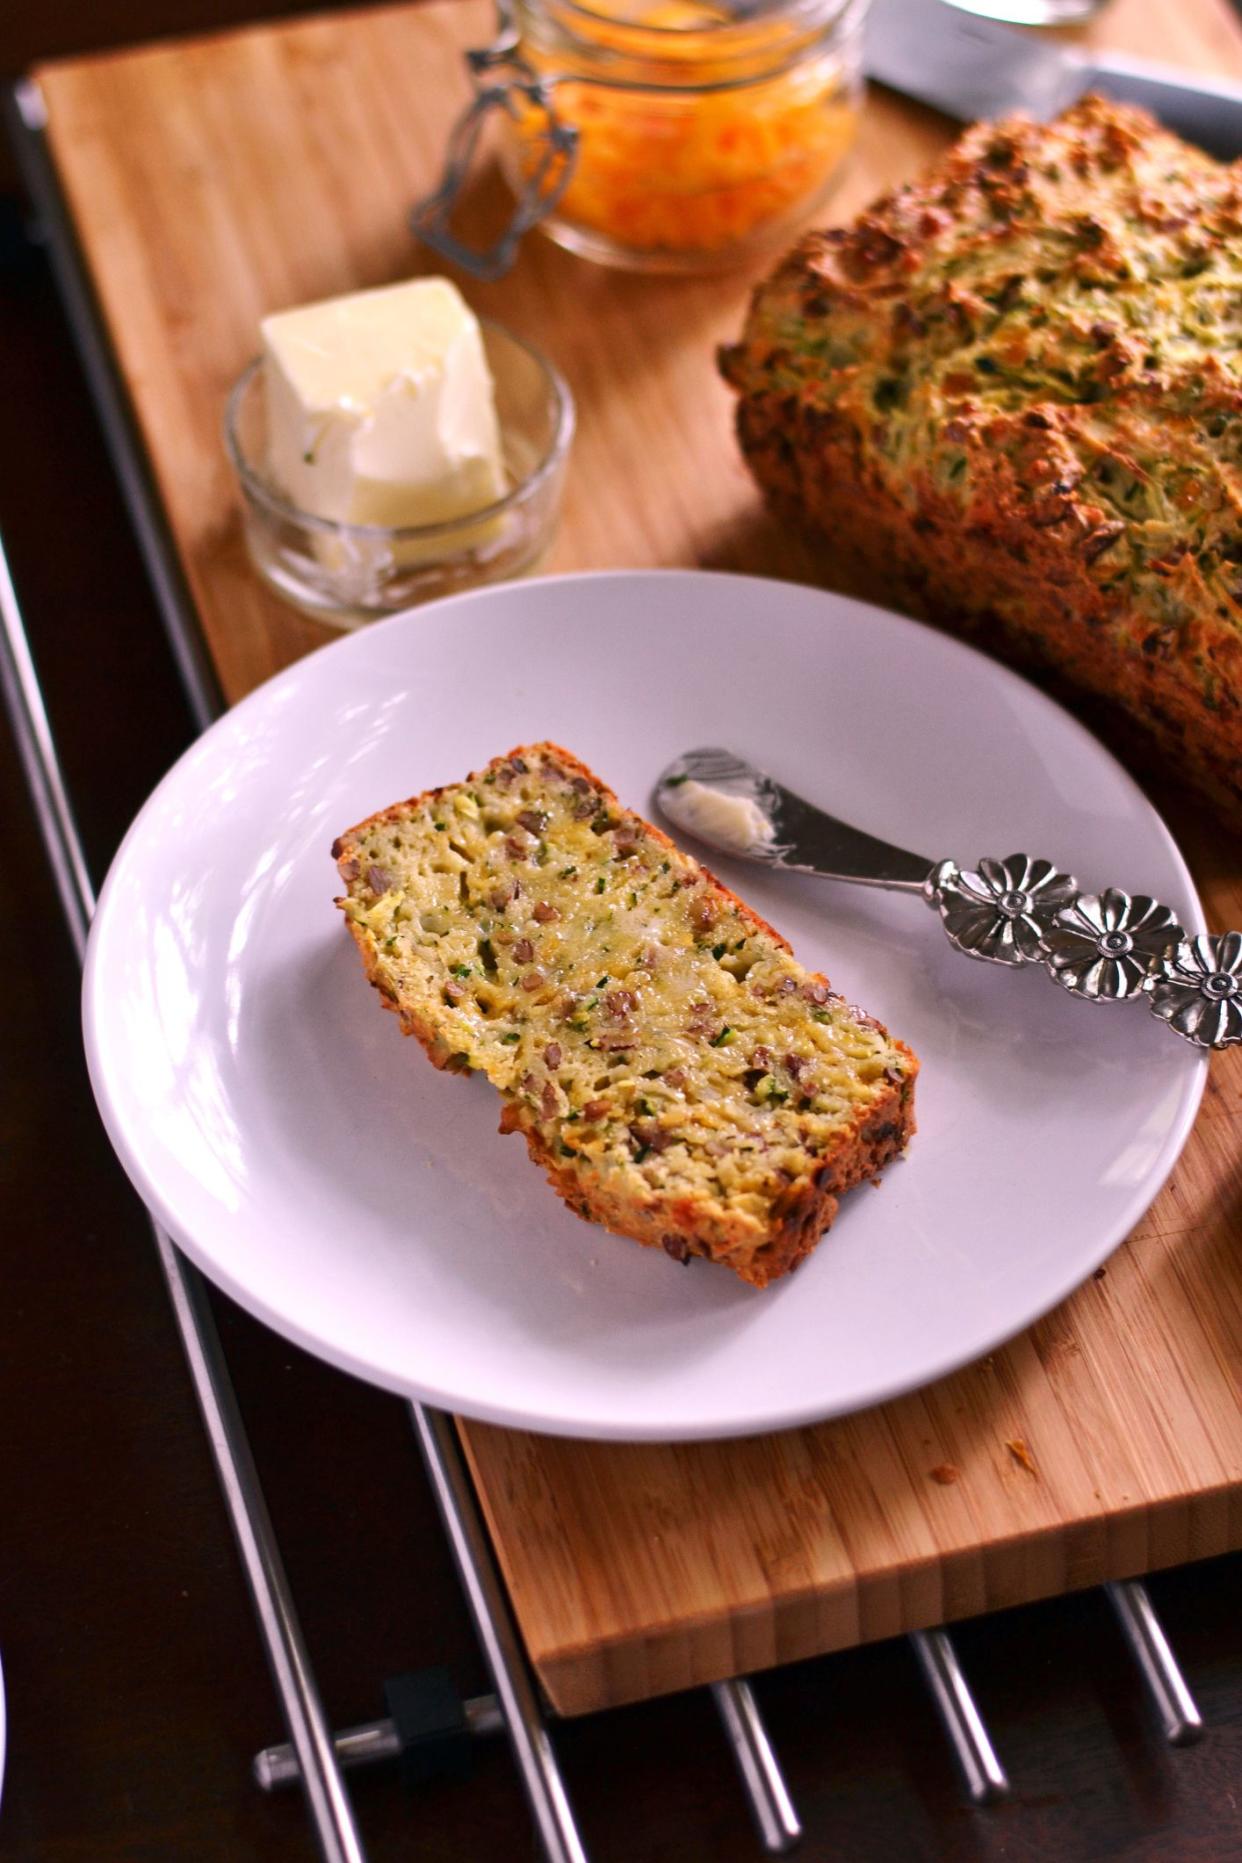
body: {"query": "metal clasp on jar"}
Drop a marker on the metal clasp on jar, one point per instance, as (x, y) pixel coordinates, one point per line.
(500, 76)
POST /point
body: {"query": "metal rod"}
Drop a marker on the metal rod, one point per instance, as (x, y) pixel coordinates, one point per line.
(364, 1745)
(337, 1834)
(1162, 1676)
(497, 1633)
(985, 1777)
(771, 1806)
(36, 749)
(368, 1744)
(27, 119)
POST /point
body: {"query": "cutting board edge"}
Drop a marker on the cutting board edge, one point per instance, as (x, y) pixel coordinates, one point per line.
(617, 1670)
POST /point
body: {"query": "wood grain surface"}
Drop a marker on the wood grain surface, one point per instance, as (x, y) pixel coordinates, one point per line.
(214, 180)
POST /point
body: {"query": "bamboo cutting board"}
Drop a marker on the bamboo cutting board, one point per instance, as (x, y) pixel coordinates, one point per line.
(215, 180)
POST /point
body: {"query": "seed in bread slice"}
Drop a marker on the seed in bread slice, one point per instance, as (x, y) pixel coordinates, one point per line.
(680, 1077)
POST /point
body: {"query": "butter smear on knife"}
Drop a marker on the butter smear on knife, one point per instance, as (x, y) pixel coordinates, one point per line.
(735, 824)
(380, 407)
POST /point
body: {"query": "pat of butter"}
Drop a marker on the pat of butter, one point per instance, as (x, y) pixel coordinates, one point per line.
(734, 823)
(380, 407)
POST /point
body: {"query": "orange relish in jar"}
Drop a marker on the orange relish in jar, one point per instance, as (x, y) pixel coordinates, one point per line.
(703, 130)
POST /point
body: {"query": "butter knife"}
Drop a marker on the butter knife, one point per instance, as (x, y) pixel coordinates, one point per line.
(1103, 947)
(971, 67)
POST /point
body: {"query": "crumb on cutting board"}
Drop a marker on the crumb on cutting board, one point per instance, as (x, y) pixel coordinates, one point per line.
(1022, 1455)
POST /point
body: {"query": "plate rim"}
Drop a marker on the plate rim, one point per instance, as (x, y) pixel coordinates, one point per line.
(417, 1390)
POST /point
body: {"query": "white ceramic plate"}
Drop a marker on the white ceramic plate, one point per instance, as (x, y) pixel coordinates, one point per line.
(315, 1165)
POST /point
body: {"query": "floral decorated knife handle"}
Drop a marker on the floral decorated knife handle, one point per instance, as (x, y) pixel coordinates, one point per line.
(1108, 947)
(1105, 947)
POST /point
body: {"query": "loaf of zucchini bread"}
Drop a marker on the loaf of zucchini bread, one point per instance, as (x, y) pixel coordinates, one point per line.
(1010, 397)
(679, 1076)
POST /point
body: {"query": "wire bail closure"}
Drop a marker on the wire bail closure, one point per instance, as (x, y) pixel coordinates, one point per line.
(431, 217)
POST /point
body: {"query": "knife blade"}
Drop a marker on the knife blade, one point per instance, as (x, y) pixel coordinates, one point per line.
(971, 67)
(722, 799)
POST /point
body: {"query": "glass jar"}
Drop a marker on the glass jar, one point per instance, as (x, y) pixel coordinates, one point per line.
(661, 135)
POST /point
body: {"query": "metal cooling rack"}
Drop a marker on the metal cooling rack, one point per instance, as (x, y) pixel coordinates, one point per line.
(424, 1723)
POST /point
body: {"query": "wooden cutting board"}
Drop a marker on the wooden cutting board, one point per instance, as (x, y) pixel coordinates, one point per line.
(215, 180)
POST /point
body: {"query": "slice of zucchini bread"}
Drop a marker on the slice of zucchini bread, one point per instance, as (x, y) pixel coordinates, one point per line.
(1010, 396)
(679, 1076)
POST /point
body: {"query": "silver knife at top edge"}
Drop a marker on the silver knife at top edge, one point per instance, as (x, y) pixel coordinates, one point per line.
(971, 67)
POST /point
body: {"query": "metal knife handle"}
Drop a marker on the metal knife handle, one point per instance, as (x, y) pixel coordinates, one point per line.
(1109, 947)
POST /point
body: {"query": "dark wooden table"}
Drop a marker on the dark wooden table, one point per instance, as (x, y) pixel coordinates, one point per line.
(136, 1686)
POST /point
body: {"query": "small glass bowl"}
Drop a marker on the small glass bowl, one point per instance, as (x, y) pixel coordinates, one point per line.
(347, 574)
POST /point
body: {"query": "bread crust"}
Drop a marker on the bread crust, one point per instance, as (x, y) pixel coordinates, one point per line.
(989, 397)
(878, 1134)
